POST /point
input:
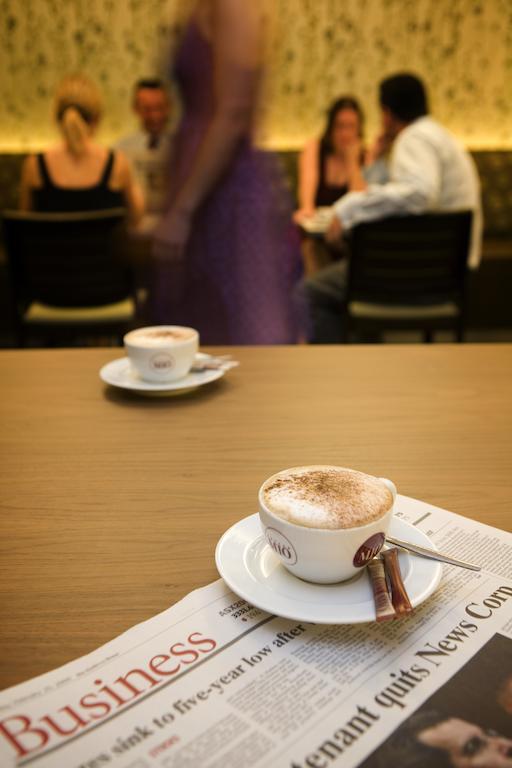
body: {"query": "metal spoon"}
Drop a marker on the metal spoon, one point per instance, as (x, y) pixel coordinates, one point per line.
(432, 553)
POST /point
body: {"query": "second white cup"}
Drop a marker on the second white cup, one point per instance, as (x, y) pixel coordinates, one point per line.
(162, 353)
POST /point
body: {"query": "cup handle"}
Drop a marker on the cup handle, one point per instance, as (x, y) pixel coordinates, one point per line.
(391, 486)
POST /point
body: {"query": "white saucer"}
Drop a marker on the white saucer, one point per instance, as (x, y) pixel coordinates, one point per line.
(253, 571)
(319, 222)
(119, 373)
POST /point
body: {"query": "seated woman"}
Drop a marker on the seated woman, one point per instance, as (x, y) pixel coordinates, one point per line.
(330, 167)
(78, 174)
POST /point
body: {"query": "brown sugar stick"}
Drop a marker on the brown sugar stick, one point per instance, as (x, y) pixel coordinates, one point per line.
(383, 606)
(399, 596)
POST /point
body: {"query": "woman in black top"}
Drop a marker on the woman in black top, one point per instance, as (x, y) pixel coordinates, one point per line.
(330, 167)
(52, 197)
(78, 174)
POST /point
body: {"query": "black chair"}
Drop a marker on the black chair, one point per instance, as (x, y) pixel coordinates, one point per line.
(408, 272)
(68, 276)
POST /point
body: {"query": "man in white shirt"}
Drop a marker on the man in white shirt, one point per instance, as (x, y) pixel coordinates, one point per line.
(429, 171)
(147, 149)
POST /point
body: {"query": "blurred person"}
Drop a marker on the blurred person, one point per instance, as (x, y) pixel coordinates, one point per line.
(330, 167)
(147, 149)
(226, 254)
(429, 171)
(78, 174)
(430, 738)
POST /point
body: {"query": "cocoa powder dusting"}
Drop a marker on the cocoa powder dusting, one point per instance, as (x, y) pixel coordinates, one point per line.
(165, 334)
(345, 497)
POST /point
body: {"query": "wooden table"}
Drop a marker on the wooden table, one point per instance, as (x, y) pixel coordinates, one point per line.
(112, 503)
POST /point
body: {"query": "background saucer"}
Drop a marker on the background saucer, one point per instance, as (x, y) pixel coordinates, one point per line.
(119, 373)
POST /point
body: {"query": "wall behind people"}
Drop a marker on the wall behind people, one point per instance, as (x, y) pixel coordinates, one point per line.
(316, 51)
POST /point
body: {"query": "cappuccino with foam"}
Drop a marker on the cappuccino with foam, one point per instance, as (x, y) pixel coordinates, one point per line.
(159, 336)
(162, 353)
(324, 522)
(327, 497)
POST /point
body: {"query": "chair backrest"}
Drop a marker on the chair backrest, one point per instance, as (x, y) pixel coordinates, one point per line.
(68, 259)
(417, 259)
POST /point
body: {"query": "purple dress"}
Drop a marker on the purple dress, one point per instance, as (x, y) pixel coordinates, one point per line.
(242, 258)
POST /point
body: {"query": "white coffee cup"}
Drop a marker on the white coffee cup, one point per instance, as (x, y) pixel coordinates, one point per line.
(324, 531)
(162, 353)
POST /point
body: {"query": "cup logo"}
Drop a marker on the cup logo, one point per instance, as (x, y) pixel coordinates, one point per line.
(369, 549)
(161, 362)
(281, 546)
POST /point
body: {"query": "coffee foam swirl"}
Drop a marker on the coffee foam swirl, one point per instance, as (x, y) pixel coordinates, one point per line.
(159, 336)
(326, 497)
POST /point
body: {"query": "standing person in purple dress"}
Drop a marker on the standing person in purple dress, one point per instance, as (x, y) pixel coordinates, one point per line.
(226, 256)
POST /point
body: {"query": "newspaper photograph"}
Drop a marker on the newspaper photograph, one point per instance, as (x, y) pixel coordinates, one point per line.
(214, 681)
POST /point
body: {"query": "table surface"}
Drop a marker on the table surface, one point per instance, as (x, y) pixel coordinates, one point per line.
(112, 503)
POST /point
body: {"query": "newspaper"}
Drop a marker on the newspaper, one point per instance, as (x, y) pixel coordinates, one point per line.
(213, 681)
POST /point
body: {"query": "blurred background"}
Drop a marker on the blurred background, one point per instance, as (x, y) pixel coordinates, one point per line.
(315, 51)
